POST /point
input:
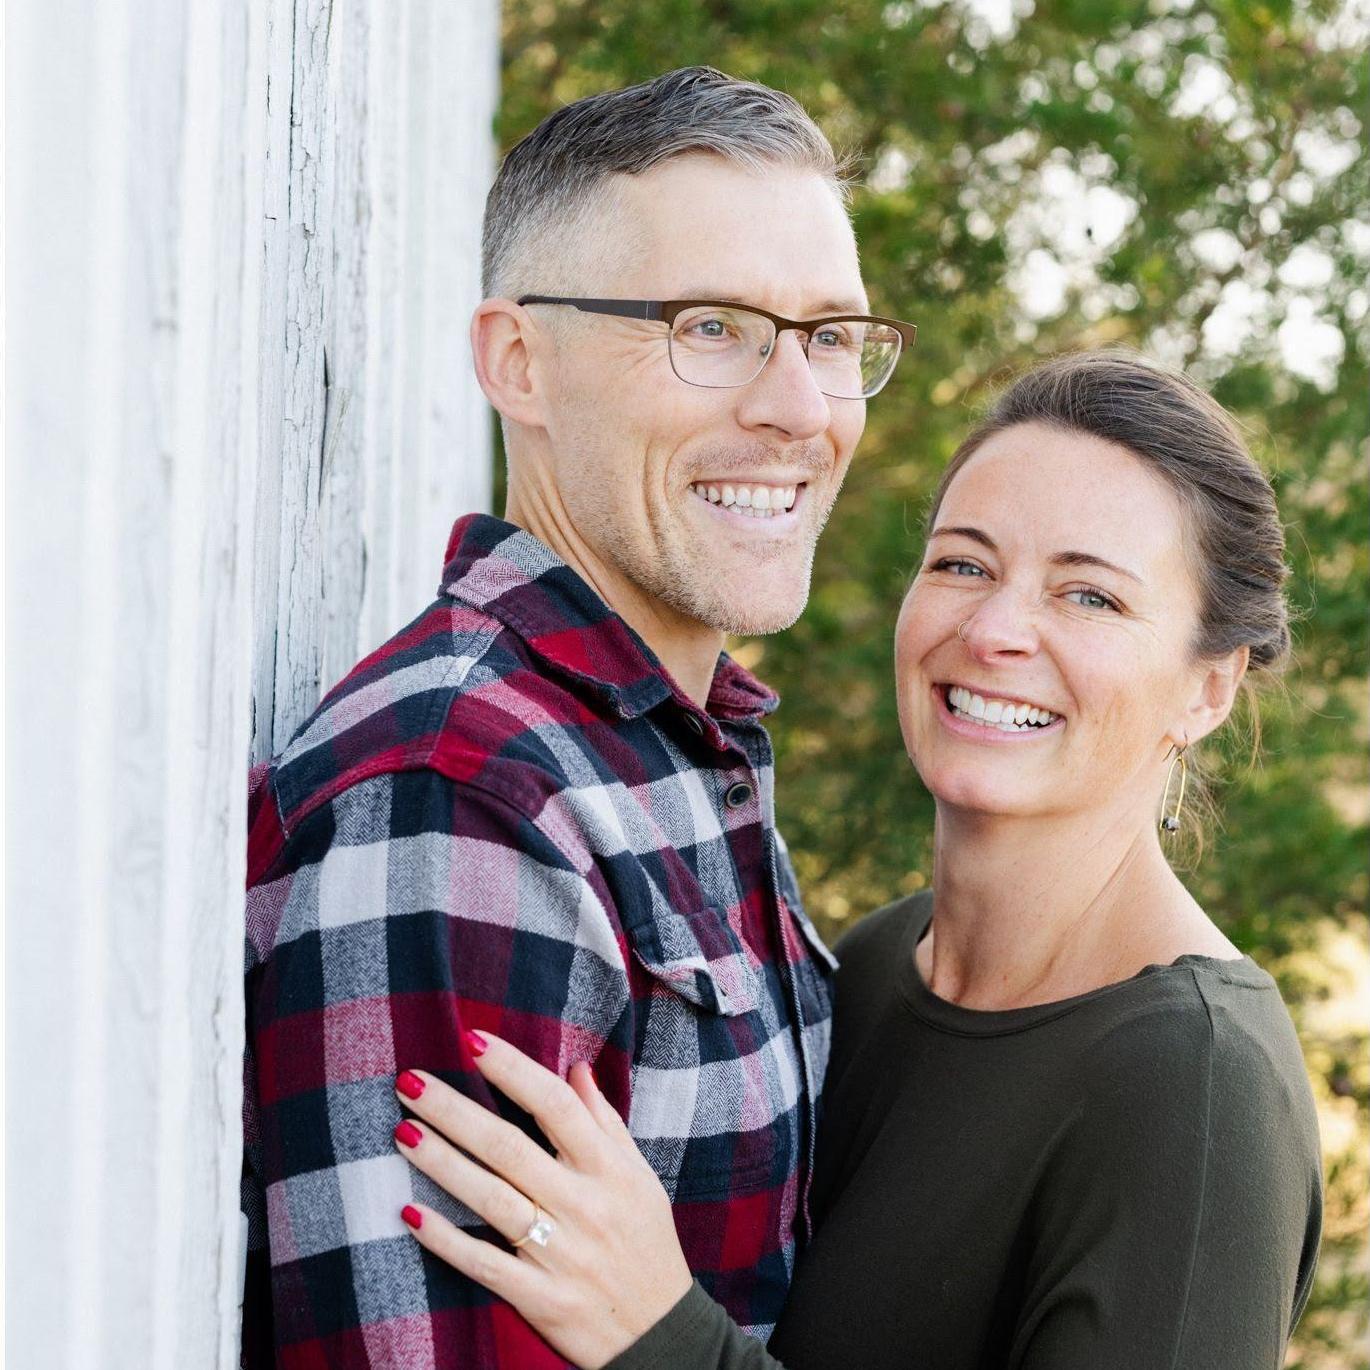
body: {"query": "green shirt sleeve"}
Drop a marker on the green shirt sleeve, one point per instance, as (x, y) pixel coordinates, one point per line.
(697, 1334)
(1178, 1221)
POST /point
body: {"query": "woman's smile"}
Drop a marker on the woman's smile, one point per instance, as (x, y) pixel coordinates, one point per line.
(992, 717)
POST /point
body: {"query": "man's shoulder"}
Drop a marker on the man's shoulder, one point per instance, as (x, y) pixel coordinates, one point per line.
(387, 713)
(456, 693)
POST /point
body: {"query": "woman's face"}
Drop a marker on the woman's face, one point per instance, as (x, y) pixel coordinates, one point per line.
(1061, 559)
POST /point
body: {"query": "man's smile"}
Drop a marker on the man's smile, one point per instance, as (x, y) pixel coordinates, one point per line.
(752, 504)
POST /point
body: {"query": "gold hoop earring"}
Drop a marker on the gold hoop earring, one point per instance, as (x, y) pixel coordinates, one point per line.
(1170, 822)
(961, 630)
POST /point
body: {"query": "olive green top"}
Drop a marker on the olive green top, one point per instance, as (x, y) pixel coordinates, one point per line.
(1126, 1179)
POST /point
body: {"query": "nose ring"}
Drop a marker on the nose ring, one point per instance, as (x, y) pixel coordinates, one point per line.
(961, 630)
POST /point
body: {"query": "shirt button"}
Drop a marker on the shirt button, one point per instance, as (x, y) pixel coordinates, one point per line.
(737, 795)
(694, 725)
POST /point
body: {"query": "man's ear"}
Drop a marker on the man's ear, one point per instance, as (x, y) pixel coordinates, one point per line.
(1215, 692)
(505, 341)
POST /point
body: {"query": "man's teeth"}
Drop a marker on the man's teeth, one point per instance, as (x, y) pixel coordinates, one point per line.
(756, 501)
(1004, 714)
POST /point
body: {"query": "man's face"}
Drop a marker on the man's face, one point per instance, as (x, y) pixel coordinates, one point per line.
(638, 453)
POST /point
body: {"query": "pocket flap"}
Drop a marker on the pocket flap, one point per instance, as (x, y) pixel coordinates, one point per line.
(817, 946)
(698, 956)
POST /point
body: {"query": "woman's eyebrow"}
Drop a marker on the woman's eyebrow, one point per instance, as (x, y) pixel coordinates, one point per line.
(1058, 559)
(1089, 559)
(974, 534)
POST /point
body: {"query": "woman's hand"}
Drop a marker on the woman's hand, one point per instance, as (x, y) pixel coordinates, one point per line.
(611, 1265)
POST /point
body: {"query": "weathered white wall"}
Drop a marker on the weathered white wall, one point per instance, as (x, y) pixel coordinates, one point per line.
(378, 155)
(205, 199)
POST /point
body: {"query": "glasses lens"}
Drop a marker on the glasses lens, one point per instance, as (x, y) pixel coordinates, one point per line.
(721, 347)
(716, 346)
(852, 359)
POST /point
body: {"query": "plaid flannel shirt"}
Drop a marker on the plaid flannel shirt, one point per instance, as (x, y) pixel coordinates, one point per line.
(510, 817)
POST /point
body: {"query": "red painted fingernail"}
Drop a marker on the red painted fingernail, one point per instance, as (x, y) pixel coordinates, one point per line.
(409, 1084)
(475, 1043)
(406, 1134)
(412, 1216)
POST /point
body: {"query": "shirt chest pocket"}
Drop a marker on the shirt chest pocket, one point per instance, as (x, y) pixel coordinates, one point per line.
(714, 1075)
(698, 957)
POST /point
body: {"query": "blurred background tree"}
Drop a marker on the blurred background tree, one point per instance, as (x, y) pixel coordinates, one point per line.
(1174, 175)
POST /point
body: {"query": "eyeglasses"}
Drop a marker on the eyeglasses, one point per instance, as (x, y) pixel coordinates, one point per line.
(721, 345)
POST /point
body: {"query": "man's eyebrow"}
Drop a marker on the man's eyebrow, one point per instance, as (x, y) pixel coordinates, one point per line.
(1058, 559)
(827, 309)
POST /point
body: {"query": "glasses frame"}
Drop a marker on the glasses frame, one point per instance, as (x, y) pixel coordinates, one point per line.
(667, 311)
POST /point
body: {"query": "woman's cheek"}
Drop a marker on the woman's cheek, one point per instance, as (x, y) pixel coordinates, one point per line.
(904, 684)
(913, 630)
(925, 628)
(902, 646)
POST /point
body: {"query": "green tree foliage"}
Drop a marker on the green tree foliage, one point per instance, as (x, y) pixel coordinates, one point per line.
(1175, 175)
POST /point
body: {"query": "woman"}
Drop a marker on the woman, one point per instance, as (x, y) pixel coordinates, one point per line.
(1066, 1122)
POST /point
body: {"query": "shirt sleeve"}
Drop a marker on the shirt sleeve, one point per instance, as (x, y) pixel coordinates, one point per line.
(1179, 1224)
(697, 1334)
(412, 907)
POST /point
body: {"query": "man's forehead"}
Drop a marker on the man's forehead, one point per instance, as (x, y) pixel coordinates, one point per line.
(711, 229)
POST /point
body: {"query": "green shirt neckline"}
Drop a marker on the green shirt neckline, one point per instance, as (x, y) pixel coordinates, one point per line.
(971, 1022)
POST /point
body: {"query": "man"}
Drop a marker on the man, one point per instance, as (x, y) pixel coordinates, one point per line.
(545, 807)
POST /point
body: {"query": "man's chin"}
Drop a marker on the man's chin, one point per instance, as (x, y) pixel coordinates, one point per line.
(752, 620)
(741, 597)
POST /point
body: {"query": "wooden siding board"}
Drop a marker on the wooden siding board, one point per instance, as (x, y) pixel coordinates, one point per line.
(234, 202)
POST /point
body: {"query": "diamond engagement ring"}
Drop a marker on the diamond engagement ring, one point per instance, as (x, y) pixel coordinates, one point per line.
(539, 1230)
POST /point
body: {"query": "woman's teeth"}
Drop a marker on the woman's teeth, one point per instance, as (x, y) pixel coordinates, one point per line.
(1003, 714)
(755, 501)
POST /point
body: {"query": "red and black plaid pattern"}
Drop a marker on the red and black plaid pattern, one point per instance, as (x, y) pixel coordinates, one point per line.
(509, 817)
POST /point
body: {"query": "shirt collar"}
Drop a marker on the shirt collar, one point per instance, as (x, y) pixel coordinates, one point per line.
(513, 576)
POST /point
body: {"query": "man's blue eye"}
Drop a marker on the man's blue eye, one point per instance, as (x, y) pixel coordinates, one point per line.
(710, 328)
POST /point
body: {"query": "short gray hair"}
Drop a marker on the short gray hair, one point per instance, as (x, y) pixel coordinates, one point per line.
(547, 184)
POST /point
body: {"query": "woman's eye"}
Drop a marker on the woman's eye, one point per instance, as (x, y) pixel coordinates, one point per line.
(957, 567)
(1092, 599)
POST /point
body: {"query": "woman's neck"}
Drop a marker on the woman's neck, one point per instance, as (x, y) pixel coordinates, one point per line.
(1031, 911)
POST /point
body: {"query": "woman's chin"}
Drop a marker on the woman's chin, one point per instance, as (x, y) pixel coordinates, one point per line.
(990, 780)
(980, 794)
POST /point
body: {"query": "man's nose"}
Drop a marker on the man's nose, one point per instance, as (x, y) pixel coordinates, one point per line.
(1004, 624)
(785, 397)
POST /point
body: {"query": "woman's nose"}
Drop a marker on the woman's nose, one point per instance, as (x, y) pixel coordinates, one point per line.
(1004, 624)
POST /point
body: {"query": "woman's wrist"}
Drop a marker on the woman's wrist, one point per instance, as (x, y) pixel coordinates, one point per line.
(665, 1345)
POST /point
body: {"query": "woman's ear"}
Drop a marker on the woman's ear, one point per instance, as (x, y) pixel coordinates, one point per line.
(504, 343)
(1214, 694)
